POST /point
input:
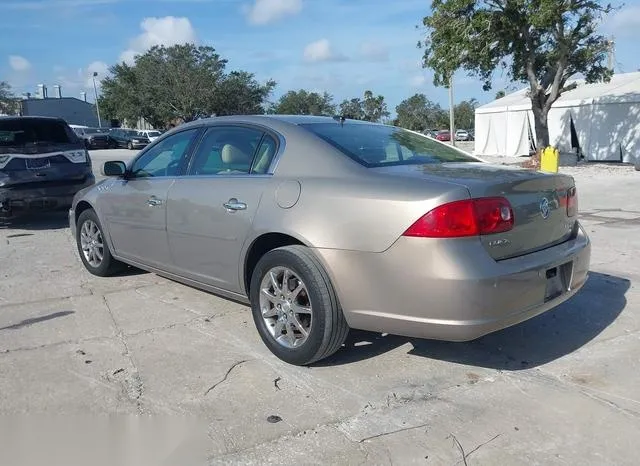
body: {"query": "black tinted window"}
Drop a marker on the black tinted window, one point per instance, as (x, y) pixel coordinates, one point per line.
(375, 145)
(21, 132)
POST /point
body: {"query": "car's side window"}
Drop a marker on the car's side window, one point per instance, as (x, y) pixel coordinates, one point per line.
(265, 154)
(164, 159)
(226, 150)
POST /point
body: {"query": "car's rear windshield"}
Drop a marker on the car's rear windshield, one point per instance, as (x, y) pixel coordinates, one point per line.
(21, 133)
(375, 145)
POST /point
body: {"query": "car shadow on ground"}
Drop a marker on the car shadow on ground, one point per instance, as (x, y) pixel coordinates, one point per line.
(535, 342)
(56, 220)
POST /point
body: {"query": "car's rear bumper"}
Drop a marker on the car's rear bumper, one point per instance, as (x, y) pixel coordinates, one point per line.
(99, 144)
(18, 200)
(454, 292)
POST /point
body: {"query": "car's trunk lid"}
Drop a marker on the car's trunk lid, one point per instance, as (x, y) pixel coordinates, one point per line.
(538, 201)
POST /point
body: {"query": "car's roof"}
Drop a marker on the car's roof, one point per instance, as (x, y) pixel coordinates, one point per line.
(262, 119)
(34, 118)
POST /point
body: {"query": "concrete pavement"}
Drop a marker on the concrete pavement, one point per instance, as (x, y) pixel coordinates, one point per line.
(560, 389)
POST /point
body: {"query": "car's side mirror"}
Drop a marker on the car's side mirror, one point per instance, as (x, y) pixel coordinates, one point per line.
(114, 168)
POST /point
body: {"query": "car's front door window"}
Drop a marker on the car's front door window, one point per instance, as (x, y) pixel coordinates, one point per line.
(164, 159)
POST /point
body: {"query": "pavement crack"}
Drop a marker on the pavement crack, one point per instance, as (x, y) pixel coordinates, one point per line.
(133, 385)
(384, 434)
(482, 445)
(611, 404)
(54, 344)
(457, 444)
(233, 366)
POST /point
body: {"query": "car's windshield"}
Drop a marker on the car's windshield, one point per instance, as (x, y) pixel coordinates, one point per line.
(374, 145)
(94, 131)
(19, 133)
(131, 132)
(153, 134)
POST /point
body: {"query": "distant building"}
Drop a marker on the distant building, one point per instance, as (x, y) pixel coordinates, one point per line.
(73, 111)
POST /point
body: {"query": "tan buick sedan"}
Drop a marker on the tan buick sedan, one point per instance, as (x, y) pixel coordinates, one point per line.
(324, 224)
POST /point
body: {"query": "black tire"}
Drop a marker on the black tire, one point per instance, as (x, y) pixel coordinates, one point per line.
(130, 146)
(329, 329)
(108, 266)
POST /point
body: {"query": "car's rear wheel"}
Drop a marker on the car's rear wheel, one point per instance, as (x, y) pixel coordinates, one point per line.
(295, 307)
(94, 250)
(130, 146)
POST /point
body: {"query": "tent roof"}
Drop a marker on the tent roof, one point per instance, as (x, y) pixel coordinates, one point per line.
(623, 88)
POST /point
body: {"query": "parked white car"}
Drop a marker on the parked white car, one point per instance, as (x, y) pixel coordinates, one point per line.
(152, 134)
(462, 135)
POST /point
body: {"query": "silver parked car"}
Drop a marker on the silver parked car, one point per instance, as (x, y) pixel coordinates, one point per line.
(324, 224)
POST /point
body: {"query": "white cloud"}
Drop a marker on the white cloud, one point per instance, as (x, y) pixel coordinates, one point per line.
(321, 51)
(374, 51)
(269, 11)
(95, 67)
(19, 63)
(167, 31)
(418, 80)
(625, 22)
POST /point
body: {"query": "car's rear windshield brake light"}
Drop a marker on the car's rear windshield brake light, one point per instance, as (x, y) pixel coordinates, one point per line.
(470, 217)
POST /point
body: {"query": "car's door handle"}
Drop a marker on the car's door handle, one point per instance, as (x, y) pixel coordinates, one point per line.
(154, 201)
(233, 204)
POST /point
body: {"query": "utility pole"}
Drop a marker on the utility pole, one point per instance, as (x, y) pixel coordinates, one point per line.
(95, 90)
(452, 131)
(611, 54)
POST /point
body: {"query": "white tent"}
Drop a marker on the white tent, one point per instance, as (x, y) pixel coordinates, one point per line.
(601, 120)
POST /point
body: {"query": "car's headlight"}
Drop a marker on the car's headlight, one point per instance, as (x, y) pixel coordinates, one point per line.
(76, 156)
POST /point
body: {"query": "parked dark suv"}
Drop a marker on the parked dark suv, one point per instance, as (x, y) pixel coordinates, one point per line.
(95, 138)
(43, 164)
(129, 138)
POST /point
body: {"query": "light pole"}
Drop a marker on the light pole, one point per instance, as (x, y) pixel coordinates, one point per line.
(452, 134)
(95, 90)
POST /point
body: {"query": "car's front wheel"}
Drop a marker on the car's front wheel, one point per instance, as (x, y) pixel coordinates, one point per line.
(94, 250)
(295, 307)
(130, 146)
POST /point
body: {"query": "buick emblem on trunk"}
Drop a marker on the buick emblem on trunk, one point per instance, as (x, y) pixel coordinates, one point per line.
(544, 207)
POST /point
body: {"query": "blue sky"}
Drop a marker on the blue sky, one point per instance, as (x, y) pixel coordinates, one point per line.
(341, 46)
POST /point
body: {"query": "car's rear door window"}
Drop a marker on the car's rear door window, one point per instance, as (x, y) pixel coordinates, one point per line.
(374, 145)
(231, 150)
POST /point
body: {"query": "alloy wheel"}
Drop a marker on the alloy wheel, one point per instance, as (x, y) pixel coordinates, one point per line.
(91, 243)
(286, 307)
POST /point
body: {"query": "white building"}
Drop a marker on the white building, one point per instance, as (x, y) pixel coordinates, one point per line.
(601, 121)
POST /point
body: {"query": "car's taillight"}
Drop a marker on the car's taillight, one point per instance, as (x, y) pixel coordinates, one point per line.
(572, 202)
(471, 217)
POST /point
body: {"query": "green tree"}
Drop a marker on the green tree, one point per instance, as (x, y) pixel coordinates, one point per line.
(418, 113)
(305, 103)
(240, 93)
(369, 108)
(500, 94)
(178, 84)
(9, 103)
(465, 113)
(352, 109)
(374, 108)
(541, 43)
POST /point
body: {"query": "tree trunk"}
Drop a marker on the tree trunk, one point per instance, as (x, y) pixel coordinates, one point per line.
(542, 129)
